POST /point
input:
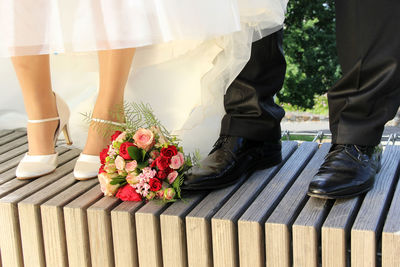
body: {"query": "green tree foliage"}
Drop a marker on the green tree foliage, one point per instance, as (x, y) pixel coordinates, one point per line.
(310, 50)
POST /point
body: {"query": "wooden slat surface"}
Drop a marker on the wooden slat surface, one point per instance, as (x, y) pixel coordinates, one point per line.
(336, 232)
(11, 137)
(76, 228)
(53, 222)
(306, 232)
(12, 153)
(368, 224)
(262, 220)
(391, 231)
(198, 226)
(173, 236)
(278, 227)
(124, 234)
(149, 235)
(224, 222)
(16, 143)
(9, 224)
(100, 233)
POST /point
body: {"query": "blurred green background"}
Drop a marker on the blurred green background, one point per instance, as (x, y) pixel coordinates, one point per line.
(310, 50)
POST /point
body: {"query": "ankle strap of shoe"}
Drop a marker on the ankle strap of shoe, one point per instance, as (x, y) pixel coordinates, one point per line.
(107, 122)
(44, 120)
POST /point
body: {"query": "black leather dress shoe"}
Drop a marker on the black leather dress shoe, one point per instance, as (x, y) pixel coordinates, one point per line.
(348, 170)
(230, 158)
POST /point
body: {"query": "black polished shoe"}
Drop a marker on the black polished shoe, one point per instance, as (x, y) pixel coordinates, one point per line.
(348, 170)
(230, 158)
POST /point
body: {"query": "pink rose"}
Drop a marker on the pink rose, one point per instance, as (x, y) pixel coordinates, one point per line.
(131, 166)
(144, 139)
(120, 163)
(105, 186)
(169, 193)
(121, 137)
(172, 176)
(110, 168)
(177, 161)
(132, 179)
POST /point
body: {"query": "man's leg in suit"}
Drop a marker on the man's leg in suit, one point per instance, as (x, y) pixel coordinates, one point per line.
(250, 130)
(364, 99)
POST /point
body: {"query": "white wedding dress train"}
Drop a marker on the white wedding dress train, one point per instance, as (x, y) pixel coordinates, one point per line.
(188, 53)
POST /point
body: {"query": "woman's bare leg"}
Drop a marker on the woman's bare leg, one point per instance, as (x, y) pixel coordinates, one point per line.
(114, 69)
(33, 73)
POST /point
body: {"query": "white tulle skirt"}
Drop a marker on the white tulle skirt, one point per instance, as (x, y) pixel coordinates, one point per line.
(189, 51)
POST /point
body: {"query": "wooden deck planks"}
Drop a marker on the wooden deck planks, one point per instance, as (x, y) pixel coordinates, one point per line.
(100, 232)
(368, 224)
(278, 227)
(53, 225)
(391, 231)
(224, 222)
(173, 236)
(9, 224)
(124, 234)
(20, 150)
(149, 235)
(17, 143)
(4, 140)
(306, 232)
(76, 228)
(335, 232)
(198, 226)
(5, 132)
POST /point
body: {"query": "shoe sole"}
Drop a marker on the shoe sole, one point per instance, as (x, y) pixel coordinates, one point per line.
(262, 164)
(344, 196)
(34, 177)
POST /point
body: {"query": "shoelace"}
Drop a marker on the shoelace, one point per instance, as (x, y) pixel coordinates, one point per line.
(331, 156)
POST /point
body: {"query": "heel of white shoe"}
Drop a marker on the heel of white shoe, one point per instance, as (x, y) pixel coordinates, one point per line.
(65, 131)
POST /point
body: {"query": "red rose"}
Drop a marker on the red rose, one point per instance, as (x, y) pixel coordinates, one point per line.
(115, 135)
(123, 150)
(161, 175)
(103, 155)
(101, 169)
(169, 152)
(162, 163)
(168, 170)
(155, 184)
(128, 193)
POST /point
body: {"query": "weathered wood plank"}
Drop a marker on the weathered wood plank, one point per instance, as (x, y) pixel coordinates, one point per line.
(173, 236)
(5, 132)
(306, 232)
(53, 223)
(369, 221)
(149, 235)
(391, 232)
(336, 232)
(20, 150)
(198, 226)
(13, 144)
(278, 227)
(124, 234)
(11, 137)
(7, 168)
(224, 222)
(76, 228)
(100, 232)
(30, 219)
(9, 224)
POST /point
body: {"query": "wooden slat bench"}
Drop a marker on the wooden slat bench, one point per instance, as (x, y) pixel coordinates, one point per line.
(263, 220)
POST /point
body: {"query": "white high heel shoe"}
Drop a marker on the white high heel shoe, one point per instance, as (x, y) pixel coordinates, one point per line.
(87, 166)
(33, 166)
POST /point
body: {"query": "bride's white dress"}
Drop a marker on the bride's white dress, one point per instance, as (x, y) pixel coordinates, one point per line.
(189, 51)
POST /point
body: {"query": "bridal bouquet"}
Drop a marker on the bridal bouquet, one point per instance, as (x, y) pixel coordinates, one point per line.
(143, 163)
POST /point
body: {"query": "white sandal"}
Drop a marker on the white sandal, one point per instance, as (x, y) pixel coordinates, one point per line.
(87, 166)
(33, 166)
